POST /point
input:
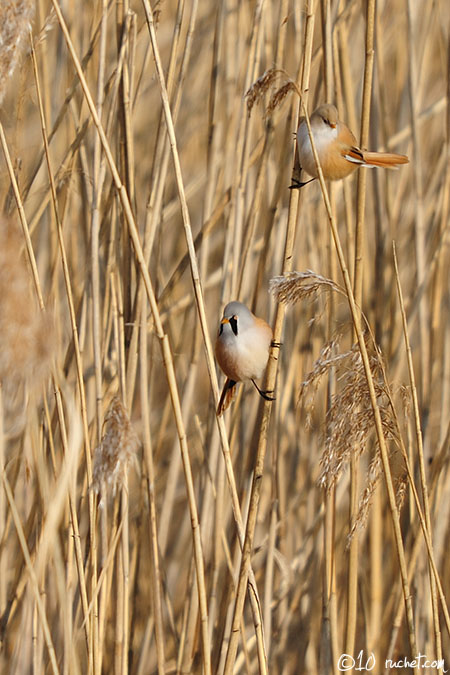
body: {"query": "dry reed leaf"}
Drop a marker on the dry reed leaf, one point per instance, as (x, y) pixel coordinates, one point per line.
(157, 11)
(48, 25)
(117, 449)
(15, 24)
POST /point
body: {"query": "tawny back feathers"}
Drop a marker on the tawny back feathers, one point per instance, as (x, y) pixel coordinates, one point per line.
(337, 147)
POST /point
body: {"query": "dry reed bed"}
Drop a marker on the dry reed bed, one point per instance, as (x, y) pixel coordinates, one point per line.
(143, 198)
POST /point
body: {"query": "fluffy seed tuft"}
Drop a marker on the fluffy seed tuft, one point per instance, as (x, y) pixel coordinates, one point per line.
(349, 421)
(117, 449)
(300, 285)
(260, 87)
(15, 24)
(279, 95)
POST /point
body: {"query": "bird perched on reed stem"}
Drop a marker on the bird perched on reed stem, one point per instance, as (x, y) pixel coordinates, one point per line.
(336, 147)
(242, 350)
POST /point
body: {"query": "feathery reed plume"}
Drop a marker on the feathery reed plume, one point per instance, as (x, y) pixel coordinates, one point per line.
(15, 24)
(260, 87)
(349, 417)
(349, 420)
(25, 331)
(400, 476)
(266, 82)
(327, 359)
(117, 449)
(299, 285)
(373, 476)
(279, 95)
(263, 84)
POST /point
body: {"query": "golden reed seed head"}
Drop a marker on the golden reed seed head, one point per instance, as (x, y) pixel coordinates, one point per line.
(266, 83)
(260, 87)
(349, 420)
(279, 95)
(26, 332)
(297, 286)
(117, 449)
(15, 23)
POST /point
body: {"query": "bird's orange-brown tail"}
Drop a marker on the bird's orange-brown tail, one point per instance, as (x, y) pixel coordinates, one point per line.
(228, 393)
(387, 160)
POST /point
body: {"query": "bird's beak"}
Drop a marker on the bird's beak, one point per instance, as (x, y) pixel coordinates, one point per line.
(333, 126)
(224, 320)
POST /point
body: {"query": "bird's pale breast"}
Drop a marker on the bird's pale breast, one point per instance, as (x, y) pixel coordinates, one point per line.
(330, 149)
(323, 137)
(244, 356)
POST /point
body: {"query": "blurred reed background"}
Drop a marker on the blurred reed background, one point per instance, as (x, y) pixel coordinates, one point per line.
(137, 199)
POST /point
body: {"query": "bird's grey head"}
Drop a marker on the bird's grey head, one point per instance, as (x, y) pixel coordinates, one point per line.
(237, 316)
(328, 114)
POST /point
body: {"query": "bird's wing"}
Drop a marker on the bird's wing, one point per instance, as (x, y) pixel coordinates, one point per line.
(355, 155)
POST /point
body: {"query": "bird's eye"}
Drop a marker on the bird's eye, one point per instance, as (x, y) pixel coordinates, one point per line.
(234, 324)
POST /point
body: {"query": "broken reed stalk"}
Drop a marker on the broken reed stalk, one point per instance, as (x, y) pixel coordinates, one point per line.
(125, 159)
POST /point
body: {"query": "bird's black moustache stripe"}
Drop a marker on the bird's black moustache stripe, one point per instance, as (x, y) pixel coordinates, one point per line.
(234, 325)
